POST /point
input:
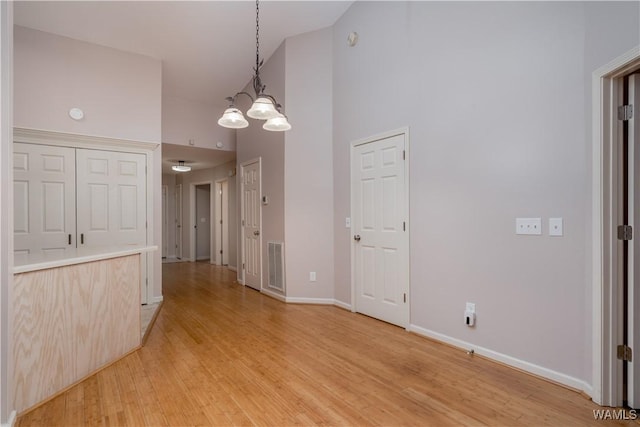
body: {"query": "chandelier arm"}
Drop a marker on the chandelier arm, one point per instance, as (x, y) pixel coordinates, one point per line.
(233, 100)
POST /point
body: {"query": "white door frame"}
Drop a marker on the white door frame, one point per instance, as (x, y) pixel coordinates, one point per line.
(178, 230)
(242, 258)
(405, 132)
(606, 249)
(193, 218)
(165, 221)
(218, 217)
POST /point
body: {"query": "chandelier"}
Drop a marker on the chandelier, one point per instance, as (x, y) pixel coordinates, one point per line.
(264, 107)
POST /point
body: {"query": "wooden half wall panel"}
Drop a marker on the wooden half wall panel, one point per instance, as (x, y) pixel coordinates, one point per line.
(69, 322)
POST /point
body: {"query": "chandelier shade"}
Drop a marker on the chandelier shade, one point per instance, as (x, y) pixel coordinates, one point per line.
(233, 119)
(262, 109)
(278, 123)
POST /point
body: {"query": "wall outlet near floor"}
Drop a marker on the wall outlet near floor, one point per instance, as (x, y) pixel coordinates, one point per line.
(470, 314)
(312, 276)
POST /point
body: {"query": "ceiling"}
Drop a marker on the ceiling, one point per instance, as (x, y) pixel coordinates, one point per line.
(207, 48)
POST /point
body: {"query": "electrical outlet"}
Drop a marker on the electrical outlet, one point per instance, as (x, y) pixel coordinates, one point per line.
(531, 226)
(312, 276)
(347, 222)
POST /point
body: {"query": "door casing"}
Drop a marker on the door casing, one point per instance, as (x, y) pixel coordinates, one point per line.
(607, 91)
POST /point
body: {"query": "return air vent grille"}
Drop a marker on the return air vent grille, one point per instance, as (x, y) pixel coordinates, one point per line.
(276, 265)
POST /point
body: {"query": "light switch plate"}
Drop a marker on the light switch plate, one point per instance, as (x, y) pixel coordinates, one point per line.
(347, 222)
(531, 226)
(555, 227)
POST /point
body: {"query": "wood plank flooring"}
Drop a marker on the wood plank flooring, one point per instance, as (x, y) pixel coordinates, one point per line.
(220, 354)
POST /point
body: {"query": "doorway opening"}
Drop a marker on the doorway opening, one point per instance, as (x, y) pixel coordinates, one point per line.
(201, 219)
(222, 222)
(179, 221)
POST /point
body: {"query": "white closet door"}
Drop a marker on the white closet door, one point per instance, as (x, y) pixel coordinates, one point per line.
(44, 198)
(111, 191)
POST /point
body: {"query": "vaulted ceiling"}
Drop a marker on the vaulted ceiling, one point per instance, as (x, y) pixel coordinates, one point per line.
(207, 48)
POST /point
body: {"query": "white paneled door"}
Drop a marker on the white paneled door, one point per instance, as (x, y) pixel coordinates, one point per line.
(44, 198)
(111, 191)
(251, 224)
(380, 240)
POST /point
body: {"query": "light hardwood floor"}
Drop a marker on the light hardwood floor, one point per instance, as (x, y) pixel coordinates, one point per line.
(222, 354)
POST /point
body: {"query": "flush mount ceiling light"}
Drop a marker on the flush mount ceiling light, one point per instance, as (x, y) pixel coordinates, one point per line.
(264, 107)
(181, 167)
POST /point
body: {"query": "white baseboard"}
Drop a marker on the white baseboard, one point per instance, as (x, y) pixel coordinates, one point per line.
(558, 377)
(155, 300)
(232, 268)
(318, 301)
(274, 295)
(302, 300)
(342, 304)
(11, 421)
(202, 258)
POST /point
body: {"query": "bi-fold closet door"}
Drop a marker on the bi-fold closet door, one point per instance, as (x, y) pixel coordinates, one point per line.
(67, 198)
(44, 180)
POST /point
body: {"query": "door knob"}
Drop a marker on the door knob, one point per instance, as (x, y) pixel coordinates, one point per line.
(256, 233)
(356, 237)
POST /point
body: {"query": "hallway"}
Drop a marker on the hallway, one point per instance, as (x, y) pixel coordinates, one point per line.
(222, 354)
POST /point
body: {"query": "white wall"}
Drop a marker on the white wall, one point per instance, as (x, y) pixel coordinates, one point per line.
(308, 170)
(184, 120)
(6, 205)
(208, 175)
(119, 92)
(493, 94)
(254, 142)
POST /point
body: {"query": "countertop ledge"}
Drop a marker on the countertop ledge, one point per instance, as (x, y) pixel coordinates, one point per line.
(34, 262)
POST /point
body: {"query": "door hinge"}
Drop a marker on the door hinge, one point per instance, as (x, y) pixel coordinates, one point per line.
(220, 221)
(221, 251)
(404, 226)
(625, 353)
(404, 155)
(243, 222)
(625, 232)
(625, 112)
(405, 297)
(243, 265)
